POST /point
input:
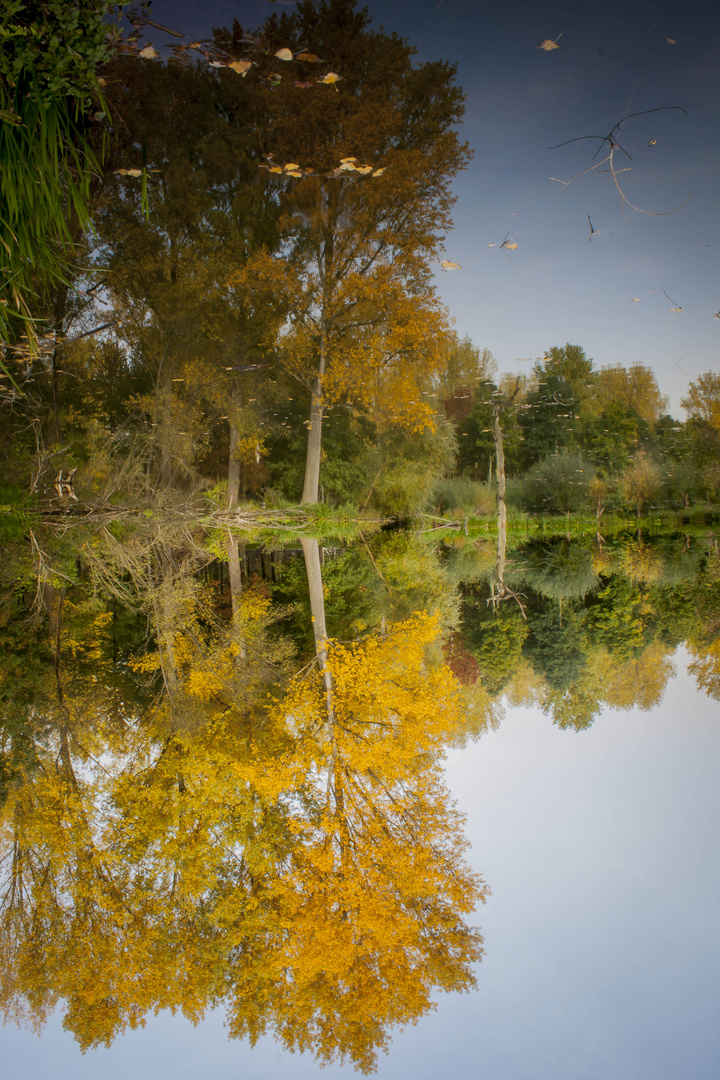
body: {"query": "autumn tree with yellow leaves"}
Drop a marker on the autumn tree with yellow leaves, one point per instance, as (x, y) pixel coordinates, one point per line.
(290, 851)
(362, 171)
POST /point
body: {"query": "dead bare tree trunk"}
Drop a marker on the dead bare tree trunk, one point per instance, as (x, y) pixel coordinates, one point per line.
(500, 590)
(500, 499)
(236, 552)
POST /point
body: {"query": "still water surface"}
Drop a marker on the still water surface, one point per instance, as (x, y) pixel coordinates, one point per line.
(601, 937)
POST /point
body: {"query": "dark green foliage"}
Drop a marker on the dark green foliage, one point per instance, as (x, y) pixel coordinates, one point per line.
(50, 53)
(559, 482)
(408, 466)
(613, 437)
(557, 645)
(615, 619)
(561, 570)
(550, 423)
(495, 638)
(349, 454)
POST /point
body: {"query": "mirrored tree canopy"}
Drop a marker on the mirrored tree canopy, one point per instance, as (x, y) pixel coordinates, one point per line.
(277, 538)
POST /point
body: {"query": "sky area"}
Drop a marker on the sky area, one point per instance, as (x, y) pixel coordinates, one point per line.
(588, 269)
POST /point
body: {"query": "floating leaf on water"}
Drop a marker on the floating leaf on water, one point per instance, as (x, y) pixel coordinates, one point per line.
(635, 300)
(276, 169)
(548, 45)
(347, 166)
(308, 57)
(671, 41)
(379, 172)
(303, 85)
(284, 54)
(510, 247)
(450, 265)
(294, 172)
(364, 169)
(652, 142)
(129, 172)
(218, 63)
(241, 66)
(492, 245)
(292, 166)
(330, 78)
(102, 82)
(149, 53)
(344, 159)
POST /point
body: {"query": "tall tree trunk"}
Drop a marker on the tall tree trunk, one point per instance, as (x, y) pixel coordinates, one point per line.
(54, 599)
(501, 509)
(314, 445)
(235, 574)
(311, 551)
(165, 610)
(233, 489)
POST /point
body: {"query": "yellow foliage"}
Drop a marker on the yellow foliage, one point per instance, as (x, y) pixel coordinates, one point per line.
(706, 668)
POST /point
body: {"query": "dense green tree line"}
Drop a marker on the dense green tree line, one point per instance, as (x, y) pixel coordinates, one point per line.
(255, 313)
(597, 623)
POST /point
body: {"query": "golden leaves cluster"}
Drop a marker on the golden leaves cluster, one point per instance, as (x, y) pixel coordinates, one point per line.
(182, 866)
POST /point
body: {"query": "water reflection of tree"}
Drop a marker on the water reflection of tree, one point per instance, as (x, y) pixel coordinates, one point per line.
(285, 846)
(603, 622)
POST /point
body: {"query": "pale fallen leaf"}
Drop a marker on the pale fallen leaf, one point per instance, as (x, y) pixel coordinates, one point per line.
(241, 66)
(344, 159)
(347, 166)
(548, 45)
(491, 245)
(652, 142)
(379, 172)
(671, 41)
(276, 169)
(308, 57)
(510, 247)
(450, 265)
(149, 53)
(635, 300)
(102, 82)
(195, 45)
(283, 54)
(129, 172)
(330, 78)
(294, 172)
(291, 166)
(218, 63)
(364, 169)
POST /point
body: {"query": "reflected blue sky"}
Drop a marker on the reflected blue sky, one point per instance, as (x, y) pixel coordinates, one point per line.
(604, 293)
(603, 952)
